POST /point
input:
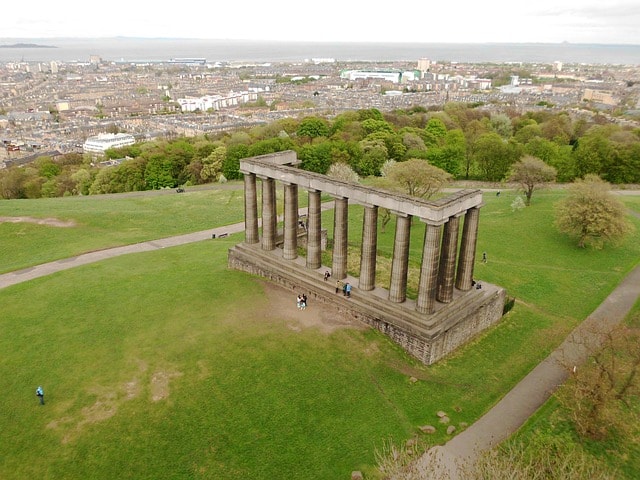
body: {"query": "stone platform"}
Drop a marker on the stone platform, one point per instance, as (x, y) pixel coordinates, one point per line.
(428, 337)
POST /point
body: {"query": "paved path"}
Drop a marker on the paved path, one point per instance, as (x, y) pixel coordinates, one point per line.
(19, 276)
(510, 413)
(30, 273)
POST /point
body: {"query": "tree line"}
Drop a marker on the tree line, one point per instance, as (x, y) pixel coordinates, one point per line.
(466, 141)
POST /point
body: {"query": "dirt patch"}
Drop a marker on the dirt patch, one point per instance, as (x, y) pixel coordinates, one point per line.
(318, 314)
(49, 222)
(160, 384)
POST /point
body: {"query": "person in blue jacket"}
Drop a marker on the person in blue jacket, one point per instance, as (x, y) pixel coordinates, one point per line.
(40, 394)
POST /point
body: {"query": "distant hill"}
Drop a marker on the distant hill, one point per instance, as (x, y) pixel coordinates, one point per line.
(27, 45)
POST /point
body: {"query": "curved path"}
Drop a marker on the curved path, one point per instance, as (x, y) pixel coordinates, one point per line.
(19, 276)
(442, 462)
(510, 413)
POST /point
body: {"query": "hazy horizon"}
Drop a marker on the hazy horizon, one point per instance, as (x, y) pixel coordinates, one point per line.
(493, 21)
(250, 40)
(137, 49)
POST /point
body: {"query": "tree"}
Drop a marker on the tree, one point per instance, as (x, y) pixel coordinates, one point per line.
(316, 158)
(312, 127)
(231, 164)
(494, 156)
(371, 125)
(531, 172)
(374, 154)
(599, 396)
(417, 178)
(501, 124)
(592, 214)
(213, 164)
(342, 171)
(82, 180)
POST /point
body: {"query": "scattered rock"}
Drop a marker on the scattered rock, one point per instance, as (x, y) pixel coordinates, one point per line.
(441, 414)
(450, 429)
(413, 379)
(463, 425)
(411, 443)
(457, 409)
(430, 429)
(445, 420)
(356, 475)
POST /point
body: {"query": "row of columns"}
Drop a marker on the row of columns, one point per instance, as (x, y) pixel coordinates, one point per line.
(438, 272)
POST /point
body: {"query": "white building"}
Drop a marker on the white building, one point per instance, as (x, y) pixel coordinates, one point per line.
(104, 141)
(216, 102)
(387, 75)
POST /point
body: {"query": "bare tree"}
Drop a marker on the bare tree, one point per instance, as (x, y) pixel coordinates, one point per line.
(599, 395)
(531, 172)
(344, 172)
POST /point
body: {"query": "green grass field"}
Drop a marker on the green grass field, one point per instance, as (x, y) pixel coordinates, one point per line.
(167, 365)
(104, 221)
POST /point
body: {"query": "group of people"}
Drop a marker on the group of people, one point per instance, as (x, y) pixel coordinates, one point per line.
(302, 301)
(344, 287)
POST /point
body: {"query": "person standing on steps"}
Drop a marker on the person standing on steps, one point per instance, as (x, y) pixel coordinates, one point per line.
(347, 289)
(40, 395)
(338, 286)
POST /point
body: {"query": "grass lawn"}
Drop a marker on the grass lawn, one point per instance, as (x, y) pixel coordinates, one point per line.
(167, 365)
(104, 221)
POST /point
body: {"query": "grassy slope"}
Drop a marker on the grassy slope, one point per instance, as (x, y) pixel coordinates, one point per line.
(108, 221)
(249, 397)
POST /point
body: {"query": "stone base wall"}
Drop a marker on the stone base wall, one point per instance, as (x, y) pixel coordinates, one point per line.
(429, 338)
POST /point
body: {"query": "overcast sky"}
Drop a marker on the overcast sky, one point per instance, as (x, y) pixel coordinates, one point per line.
(516, 21)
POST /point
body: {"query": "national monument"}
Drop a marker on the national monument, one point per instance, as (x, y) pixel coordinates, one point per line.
(448, 311)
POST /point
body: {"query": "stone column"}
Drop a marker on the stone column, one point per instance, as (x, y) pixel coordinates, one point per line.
(429, 269)
(269, 214)
(447, 267)
(340, 238)
(290, 250)
(464, 275)
(314, 251)
(369, 249)
(400, 262)
(250, 209)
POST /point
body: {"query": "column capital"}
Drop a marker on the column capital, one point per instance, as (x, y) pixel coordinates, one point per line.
(398, 213)
(432, 223)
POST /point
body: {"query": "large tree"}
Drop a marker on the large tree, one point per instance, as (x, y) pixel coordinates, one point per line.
(531, 172)
(417, 177)
(592, 214)
(494, 156)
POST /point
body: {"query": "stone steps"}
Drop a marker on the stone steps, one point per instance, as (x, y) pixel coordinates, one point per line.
(375, 304)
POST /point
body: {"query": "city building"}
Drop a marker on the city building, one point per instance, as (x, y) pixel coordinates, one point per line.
(104, 141)
(216, 102)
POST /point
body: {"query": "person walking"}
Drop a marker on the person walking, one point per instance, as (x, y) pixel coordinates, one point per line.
(338, 286)
(327, 274)
(40, 394)
(347, 289)
(484, 257)
(303, 302)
